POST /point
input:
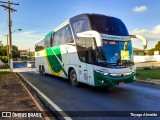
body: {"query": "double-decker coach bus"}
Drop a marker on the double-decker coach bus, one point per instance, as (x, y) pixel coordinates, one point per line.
(89, 48)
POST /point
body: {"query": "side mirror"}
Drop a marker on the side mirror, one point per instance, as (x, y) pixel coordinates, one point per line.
(145, 42)
(93, 34)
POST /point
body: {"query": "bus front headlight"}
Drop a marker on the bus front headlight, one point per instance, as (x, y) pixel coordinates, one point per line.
(101, 72)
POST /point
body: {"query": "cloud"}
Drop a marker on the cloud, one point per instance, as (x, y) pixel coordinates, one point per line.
(156, 30)
(30, 34)
(152, 35)
(140, 9)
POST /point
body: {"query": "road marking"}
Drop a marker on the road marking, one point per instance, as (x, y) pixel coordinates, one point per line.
(48, 100)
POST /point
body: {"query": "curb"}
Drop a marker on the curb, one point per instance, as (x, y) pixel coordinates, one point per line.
(33, 99)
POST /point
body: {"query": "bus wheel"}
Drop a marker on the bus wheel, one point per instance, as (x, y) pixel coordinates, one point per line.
(43, 71)
(40, 69)
(73, 78)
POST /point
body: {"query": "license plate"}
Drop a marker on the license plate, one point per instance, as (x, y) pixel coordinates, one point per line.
(121, 83)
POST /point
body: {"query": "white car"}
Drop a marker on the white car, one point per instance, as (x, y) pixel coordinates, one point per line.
(30, 64)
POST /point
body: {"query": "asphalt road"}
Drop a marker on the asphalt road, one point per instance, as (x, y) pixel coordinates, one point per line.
(131, 97)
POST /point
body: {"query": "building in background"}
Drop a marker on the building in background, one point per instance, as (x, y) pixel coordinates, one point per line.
(23, 54)
(138, 52)
(31, 55)
(26, 55)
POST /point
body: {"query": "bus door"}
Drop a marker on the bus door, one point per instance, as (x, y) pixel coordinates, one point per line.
(83, 72)
(86, 56)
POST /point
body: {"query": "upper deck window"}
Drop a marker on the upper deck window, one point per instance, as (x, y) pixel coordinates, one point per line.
(108, 25)
(81, 25)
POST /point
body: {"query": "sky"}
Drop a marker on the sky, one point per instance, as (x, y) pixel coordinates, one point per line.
(38, 17)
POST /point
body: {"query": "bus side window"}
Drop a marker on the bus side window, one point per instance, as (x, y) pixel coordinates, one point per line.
(40, 46)
(56, 38)
(68, 36)
(51, 40)
(46, 42)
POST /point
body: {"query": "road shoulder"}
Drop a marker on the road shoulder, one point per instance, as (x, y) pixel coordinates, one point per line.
(14, 97)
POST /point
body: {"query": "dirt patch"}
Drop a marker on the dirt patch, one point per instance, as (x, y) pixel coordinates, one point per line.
(13, 97)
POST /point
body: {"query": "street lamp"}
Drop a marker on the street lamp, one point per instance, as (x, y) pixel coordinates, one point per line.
(10, 49)
(16, 30)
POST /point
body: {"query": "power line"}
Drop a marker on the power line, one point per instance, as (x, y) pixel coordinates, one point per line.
(31, 25)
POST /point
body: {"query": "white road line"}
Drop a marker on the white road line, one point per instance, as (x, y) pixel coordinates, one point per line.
(48, 100)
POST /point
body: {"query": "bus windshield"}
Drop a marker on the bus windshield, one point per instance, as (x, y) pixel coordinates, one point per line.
(108, 25)
(115, 53)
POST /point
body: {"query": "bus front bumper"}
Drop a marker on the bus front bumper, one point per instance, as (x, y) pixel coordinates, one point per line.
(104, 80)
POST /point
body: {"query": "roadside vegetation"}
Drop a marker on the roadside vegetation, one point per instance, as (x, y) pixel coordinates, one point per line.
(2, 73)
(3, 52)
(148, 73)
(5, 66)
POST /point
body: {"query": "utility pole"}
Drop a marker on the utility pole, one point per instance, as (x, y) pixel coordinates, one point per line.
(8, 51)
(9, 26)
(29, 54)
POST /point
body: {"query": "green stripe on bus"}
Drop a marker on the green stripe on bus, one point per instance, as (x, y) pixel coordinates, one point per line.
(49, 34)
(54, 59)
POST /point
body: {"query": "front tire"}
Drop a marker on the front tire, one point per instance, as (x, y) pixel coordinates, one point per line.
(73, 78)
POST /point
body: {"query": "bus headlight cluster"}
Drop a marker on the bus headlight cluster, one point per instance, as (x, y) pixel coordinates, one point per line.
(133, 70)
(101, 72)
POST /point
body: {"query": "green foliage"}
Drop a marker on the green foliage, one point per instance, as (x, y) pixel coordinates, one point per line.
(1, 43)
(147, 68)
(5, 66)
(3, 52)
(4, 59)
(157, 48)
(151, 52)
(16, 53)
(152, 74)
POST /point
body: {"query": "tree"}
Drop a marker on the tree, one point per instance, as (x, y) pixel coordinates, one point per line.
(1, 43)
(3, 52)
(151, 52)
(156, 48)
(15, 51)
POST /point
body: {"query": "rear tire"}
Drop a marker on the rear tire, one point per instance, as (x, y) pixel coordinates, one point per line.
(43, 71)
(73, 78)
(40, 69)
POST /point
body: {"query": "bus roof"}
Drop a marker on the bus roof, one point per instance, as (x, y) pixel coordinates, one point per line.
(85, 15)
(69, 20)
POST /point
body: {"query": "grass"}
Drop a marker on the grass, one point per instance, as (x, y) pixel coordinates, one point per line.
(2, 73)
(148, 73)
